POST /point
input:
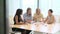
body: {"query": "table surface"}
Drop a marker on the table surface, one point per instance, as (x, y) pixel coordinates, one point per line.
(40, 27)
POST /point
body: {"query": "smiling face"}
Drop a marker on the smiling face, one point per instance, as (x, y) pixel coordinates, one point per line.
(50, 12)
(29, 12)
(38, 11)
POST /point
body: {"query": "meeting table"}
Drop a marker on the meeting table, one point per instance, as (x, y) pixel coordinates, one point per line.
(39, 27)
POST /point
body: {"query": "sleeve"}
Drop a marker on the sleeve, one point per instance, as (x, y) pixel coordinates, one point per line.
(52, 19)
(16, 19)
(24, 16)
(46, 19)
(42, 15)
(31, 18)
(34, 17)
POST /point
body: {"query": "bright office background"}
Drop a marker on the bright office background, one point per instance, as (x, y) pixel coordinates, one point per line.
(44, 5)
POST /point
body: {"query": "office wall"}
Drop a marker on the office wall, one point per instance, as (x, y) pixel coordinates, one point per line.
(1, 16)
(13, 5)
(45, 5)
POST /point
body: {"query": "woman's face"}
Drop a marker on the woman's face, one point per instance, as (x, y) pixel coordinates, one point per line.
(49, 13)
(21, 13)
(29, 12)
(38, 11)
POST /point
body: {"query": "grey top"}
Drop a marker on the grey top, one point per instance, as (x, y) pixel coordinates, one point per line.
(27, 17)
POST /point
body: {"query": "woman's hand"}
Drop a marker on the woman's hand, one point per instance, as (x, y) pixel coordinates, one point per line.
(28, 21)
(20, 23)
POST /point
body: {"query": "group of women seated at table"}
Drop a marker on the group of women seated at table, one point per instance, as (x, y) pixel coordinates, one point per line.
(27, 18)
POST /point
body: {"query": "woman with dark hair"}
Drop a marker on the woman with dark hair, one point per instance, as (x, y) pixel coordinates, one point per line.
(17, 17)
(50, 18)
(18, 20)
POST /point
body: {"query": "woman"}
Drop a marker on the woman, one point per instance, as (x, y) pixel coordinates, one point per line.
(18, 20)
(28, 18)
(50, 18)
(38, 15)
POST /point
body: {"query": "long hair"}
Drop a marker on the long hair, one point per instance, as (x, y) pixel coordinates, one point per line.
(28, 10)
(18, 12)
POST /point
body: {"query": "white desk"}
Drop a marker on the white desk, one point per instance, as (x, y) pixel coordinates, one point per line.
(40, 27)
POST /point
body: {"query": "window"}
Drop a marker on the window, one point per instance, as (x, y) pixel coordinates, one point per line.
(44, 5)
(56, 7)
(13, 5)
(29, 3)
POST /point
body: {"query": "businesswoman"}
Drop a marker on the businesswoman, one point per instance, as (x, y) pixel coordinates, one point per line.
(28, 18)
(18, 20)
(50, 18)
(38, 16)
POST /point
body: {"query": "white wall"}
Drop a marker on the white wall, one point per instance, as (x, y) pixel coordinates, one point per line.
(13, 6)
(29, 3)
(24, 4)
(56, 6)
(45, 5)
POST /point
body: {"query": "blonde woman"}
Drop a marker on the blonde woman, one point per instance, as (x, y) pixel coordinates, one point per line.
(38, 15)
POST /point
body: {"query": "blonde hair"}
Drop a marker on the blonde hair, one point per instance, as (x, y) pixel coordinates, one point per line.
(37, 10)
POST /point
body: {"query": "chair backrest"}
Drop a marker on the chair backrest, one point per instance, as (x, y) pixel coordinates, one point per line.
(57, 18)
(11, 20)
